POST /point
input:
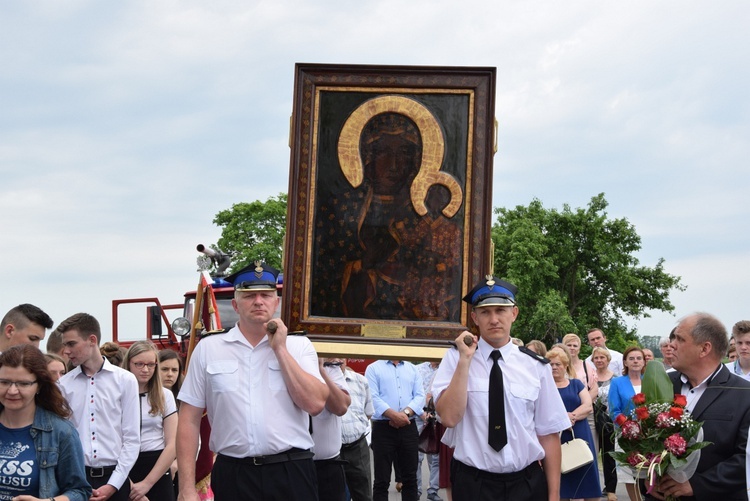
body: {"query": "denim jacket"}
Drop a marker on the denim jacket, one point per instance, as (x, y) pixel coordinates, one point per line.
(60, 457)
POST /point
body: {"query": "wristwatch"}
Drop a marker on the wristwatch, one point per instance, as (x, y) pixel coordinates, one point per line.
(408, 412)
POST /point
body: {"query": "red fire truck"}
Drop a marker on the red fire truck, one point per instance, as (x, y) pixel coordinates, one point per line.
(208, 308)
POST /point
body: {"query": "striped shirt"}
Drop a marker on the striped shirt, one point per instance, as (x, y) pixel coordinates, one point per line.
(356, 421)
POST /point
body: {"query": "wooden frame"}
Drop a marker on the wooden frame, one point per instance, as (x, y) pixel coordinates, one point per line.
(390, 194)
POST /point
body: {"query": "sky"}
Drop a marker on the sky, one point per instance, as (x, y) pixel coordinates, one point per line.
(126, 126)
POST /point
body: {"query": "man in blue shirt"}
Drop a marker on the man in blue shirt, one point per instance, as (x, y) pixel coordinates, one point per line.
(397, 396)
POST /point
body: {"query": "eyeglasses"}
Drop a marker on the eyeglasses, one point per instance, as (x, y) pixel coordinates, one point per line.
(21, 385)
(141, 365)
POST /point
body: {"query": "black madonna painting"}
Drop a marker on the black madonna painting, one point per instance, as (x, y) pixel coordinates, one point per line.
(385, 195)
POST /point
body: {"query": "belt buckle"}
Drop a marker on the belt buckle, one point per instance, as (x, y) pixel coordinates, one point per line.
(255, 461)
(95, 472)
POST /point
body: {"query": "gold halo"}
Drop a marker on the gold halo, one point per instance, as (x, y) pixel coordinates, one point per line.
(433, 149)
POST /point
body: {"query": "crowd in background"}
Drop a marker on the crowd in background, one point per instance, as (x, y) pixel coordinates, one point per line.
(34, 387)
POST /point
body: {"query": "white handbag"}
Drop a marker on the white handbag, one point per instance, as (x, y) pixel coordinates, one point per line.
(575, 454)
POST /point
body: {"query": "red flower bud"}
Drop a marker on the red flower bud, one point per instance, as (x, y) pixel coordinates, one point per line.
(680, 400)
(639, 399)
(641, 413)
(676, 412)
(620, 419)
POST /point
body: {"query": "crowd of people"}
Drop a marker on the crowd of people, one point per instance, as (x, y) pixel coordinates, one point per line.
(95, 421)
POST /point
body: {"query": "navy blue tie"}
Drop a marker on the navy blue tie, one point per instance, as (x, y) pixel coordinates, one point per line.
(498, 437)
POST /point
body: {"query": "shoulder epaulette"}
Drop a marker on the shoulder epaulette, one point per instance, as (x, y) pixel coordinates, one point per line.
(213, 333)
(533, 355)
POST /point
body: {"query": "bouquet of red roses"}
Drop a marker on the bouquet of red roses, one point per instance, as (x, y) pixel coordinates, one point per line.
(659, 437)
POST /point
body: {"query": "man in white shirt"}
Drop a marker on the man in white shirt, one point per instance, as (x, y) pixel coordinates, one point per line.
(741, 336)
(596, 338)
(259, 388)
(355, 428)
(106, 410)
(326, 433)
(501, 405)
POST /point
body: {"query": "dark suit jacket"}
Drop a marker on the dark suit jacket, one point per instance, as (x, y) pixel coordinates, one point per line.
(724, 409)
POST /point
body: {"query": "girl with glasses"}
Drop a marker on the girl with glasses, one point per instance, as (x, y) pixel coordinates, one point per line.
(150, 476)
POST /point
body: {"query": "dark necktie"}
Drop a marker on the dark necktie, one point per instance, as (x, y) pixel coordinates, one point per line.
(497, 437)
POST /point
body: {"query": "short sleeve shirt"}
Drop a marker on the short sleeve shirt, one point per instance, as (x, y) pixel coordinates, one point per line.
(533, 407)
(152, 426)
(20, 471)
(243, 390)
(326, 426)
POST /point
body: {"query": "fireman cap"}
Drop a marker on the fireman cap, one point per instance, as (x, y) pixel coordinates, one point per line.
(256, 277)
(492, 292)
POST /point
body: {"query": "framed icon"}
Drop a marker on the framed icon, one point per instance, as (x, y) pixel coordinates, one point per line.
(390, 198)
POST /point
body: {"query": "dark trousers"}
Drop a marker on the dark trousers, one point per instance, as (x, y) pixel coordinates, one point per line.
(357, 469)
(471, 484)
(237, 479)
(331, 480)
(605, 429)
(163, 490)
(122, 494)
(389, 443)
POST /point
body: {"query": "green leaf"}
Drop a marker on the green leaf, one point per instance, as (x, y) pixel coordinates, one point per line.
(656, 384)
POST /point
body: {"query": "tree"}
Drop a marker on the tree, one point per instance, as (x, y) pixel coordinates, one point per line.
(254, 231)
(577, 270)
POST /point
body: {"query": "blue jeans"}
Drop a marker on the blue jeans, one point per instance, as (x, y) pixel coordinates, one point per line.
(433, 461)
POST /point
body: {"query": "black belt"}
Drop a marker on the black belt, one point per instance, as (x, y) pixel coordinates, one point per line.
(99, 471)
(332, 461)
(501, 477)
(355, 443)
(282, 457)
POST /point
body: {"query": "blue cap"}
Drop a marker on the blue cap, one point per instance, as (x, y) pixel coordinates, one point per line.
(492, 292)
(256, 277)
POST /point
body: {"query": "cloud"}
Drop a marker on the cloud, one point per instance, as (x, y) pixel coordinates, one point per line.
(127, 126)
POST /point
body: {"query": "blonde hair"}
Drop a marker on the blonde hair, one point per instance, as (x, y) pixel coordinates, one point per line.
(562, 355)
(604, 351)
(568, 337)
(153, 387)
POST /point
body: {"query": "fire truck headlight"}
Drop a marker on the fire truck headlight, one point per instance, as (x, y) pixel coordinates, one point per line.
(181, 326)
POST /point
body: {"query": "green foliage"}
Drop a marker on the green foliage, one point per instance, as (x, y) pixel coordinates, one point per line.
(576, 270)
(656, 384)
(254, 231)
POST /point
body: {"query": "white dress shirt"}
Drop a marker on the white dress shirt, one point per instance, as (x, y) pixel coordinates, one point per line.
(249, 407)
(106, 416)
(326, 426)
(152, 426)
(533, 406)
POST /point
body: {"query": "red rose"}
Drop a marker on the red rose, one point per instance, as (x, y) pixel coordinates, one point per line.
(680, 400)
(641, 413)
(676, 412)
(620, 419)
(639, 399)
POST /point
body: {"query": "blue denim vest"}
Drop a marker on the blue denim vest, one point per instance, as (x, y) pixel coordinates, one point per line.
(60, 457)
